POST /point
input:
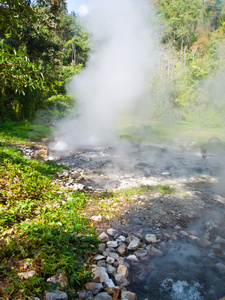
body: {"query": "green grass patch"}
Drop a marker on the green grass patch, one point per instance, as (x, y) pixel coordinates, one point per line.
(41, 224)
(127, 193)
(16, 132)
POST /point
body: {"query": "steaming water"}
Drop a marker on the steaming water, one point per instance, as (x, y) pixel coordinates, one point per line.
(185, 272)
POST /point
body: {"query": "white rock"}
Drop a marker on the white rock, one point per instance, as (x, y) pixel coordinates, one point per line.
(98, 257)
(112, 232)
(97, 218)
(113, 254)
(103, 237)
(151, 238)
(121, 280)
(110, 260)
(121, 238)
(134, 244)
(27, 275)
(112, 244)
(132, 257)
(123, 270)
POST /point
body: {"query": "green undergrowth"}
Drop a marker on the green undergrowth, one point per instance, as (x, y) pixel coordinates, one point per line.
(21, 132)
(41, 224)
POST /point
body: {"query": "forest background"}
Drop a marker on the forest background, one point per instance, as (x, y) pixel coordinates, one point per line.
(42, 46)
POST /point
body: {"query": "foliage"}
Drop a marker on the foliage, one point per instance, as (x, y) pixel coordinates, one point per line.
(36, 43)
(41, 224)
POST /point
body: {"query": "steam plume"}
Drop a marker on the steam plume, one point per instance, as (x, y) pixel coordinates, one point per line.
(121, 60)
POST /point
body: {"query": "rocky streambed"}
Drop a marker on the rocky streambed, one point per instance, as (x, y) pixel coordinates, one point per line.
(161, 246)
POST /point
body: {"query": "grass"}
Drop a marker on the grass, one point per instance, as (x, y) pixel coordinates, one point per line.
(155, 131)
(40, 224)
(22, 132)
(127, 193)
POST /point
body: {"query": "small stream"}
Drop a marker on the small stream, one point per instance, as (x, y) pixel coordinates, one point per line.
(191, 227)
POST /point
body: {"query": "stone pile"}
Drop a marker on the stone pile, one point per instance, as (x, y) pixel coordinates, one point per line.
(116, 252)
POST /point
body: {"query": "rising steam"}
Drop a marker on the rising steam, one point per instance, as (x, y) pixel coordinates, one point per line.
(122, 58)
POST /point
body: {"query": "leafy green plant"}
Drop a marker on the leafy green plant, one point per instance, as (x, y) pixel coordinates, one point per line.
(41, 223)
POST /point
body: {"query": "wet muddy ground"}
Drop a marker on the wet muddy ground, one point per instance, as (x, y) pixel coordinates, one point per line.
(189, 224)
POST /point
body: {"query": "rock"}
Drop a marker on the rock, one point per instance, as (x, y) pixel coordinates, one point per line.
(121, 238)
(184, 233)
(203, 242)
(111, 270)
(27, 275)
(220, 267)
(114, 255)
(101, 248)
(128, 295)
(101, 263)
(114, 291)
(134, 244)
(94, 287)
(109, 283)
(193, 237)
(103, 237)
(85, 295)
(122, 249)
(112, 244)
(151, 238)
(56, 295)
(97, 218)
(222, 232)
(123, 270)
(112, 232)
(110, 260)
(139, 235)
(141, 253)
(98, 257)
(99, 274)
(121, 280)
(219, 240)
(60, 278)
(103, 296)
(124, 233)
(153, 251)
(133, 258)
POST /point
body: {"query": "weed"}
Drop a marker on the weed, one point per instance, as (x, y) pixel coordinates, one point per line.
(42, 224)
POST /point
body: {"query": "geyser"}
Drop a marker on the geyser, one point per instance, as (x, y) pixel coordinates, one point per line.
(121, 61)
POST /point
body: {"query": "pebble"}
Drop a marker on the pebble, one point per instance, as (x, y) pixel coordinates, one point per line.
(122, 249)
(94, 287)
(133, 258)
(134, 244)
(113, 244)
(103, 296)
(55, 295)
(112, 232)
(151, 238)
(103, 237)
(27, 275)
